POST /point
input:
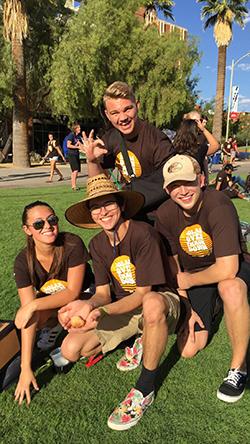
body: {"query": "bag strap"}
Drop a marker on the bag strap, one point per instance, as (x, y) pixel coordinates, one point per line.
(126, 156)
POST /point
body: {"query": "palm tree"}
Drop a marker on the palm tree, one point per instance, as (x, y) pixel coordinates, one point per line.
(221, 14)
(15, 31)
(163, 6)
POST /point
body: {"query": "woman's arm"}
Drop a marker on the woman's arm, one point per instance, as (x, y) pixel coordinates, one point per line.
(58, 149)
(75, 279)
(28, 334)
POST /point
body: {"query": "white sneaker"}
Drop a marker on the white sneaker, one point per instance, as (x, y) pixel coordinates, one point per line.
(48, 337)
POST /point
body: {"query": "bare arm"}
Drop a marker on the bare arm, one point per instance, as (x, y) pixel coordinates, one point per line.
(28, 334)
(218, 186)
(128, 303)
(75, 278)
(223, 268)
(58, 149)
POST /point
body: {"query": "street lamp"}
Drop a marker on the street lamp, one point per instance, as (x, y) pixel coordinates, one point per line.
(234, 63)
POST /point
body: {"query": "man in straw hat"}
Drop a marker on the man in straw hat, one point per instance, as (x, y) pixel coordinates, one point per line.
(130, 266)
(202, 230)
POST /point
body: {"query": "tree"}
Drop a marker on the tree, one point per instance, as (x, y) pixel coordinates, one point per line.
(15, 31)
(93, 54)
(164, 6)
(221, 14)
(46, 21)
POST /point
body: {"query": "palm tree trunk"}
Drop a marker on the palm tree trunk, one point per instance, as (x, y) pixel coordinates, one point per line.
(220, 90)
(20, 129)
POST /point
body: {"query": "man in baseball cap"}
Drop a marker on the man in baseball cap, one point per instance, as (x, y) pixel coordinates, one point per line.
(202, 233)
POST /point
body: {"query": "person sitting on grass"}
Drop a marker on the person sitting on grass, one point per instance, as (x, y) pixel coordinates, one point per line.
(129, 264)
(228, 184)
(50, 272)
(202, 231)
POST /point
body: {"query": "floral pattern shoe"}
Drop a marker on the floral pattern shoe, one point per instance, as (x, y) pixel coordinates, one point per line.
(130, 411)
(132, 357)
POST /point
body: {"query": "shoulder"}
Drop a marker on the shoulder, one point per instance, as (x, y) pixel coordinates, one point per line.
(142, 230)
(167, 207)
(97, 239)
(69, 239)
(214, 199)
(21, 258)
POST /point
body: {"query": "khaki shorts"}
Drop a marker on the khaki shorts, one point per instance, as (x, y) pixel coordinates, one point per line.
(114, 329)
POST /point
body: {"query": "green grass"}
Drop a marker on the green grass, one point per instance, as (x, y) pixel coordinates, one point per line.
(73, 408)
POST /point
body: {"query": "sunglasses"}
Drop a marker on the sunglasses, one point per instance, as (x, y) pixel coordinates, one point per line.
(39, 223)
(109, 206)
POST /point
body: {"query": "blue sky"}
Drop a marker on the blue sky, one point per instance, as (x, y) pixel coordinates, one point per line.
(187, 15)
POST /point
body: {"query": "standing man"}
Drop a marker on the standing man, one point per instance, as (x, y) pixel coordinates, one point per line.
(147, 147)
(73, 143)
(129, 263)
(203, 235)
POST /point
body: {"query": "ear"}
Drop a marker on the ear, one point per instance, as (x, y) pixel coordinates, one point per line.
(107, 114)
(138, 104)
(167, 191)
(27, 230)
(202, 180)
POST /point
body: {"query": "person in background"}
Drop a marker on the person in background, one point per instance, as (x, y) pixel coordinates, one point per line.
(227, 183)
(234, 151)
(50, 272)
(73, 143)
(53, 153)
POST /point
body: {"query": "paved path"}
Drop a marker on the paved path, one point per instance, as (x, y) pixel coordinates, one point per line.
(36, 176)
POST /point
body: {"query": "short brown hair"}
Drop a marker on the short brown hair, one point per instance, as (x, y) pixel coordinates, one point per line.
(119, 90)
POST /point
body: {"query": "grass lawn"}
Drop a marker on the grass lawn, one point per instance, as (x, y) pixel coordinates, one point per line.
(73, 407)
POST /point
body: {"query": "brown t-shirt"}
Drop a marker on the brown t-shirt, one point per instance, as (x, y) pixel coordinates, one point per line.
(139, 260)
(148, 149)
(198, 240)
(75, 253)
(223, 178)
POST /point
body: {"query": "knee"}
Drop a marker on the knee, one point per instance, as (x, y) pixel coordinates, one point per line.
(233, 292)
(70, 350)
(154, 308)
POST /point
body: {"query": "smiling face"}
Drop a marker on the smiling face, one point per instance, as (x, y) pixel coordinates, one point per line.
(105, 211)
(186, 194)
(47, 234)
(122, 113)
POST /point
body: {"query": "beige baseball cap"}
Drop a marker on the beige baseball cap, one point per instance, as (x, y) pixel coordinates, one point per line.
(180, 167)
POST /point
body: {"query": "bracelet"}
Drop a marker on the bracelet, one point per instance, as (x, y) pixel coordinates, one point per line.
(103, 311)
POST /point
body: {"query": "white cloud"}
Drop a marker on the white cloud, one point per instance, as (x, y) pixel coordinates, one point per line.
(244, 66)
(244, 101)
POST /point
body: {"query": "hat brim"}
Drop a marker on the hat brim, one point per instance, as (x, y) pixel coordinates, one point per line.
(186, 178)
(80, 215)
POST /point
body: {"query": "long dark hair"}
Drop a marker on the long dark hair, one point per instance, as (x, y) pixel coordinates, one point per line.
(31, 251)
(186, 140)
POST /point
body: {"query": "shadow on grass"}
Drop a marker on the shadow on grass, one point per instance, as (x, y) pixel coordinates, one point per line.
(164, 369)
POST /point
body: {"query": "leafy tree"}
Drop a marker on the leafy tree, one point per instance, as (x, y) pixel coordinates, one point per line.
(27, 94)
(93, 54)
(221, 14)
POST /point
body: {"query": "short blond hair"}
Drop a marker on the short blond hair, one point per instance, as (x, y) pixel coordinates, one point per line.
(119, 90)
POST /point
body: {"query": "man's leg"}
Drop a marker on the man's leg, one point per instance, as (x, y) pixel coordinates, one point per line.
(76, 345)
(233, 293)
(156, 308)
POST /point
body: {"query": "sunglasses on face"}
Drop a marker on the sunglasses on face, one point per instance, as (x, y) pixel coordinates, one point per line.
(39, 223)
(96, 209)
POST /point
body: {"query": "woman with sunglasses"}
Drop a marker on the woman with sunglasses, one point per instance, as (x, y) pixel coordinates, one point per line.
(50, 272)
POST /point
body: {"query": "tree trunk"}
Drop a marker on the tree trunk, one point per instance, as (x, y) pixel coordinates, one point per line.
(220, 90)
(20, 130)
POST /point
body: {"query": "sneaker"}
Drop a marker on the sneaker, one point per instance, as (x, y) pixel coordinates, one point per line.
(48, 337)
(233, 386)
(132, 357)
(130, 411)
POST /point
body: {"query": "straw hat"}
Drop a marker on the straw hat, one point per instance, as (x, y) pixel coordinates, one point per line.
(97, 186)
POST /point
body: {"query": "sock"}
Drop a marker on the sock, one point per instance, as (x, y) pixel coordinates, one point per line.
(145, 383)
